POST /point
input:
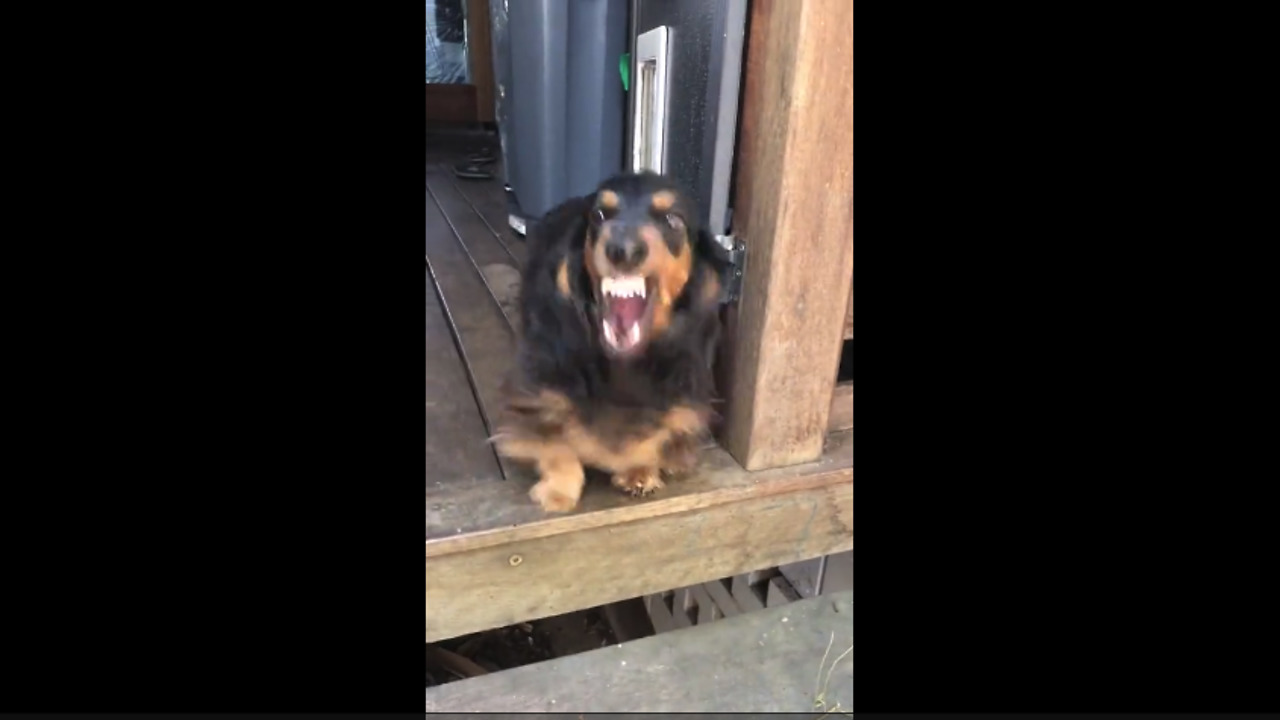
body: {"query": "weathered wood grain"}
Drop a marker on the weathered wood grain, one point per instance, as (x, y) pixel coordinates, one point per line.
(487, 579)
(793, 208)
(766, 661)
(841, 416)
(490, 203)
(454, 427)
(848, 318)
(487, 256)
(487, 340)
(464, 519)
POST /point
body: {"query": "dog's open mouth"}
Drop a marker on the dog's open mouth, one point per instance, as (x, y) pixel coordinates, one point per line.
(625, 313)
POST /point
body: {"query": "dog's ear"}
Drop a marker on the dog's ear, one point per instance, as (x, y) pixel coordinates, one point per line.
(705, 285)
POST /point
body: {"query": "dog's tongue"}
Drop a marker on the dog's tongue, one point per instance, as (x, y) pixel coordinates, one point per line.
(626, 312)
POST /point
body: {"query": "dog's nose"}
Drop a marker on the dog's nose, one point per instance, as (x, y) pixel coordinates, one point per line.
(628, 253)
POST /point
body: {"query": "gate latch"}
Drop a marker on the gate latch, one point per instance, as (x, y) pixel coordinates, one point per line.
(733, 253)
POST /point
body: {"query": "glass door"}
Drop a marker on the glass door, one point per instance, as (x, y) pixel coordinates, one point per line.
(447, 43)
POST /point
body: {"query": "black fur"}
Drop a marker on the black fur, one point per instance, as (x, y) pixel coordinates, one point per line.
(559, 345)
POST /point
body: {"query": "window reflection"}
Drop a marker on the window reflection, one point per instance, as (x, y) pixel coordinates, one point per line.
(447, 42)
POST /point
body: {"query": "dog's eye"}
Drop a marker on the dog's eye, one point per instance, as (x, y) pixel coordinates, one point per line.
(597, 216)
(675, 221)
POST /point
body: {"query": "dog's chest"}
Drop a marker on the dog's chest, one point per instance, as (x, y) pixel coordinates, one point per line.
(619, 438)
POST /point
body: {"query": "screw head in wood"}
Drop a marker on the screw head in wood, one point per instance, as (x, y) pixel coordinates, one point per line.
(515, 560)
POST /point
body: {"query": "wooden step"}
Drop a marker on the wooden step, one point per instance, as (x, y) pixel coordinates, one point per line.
(718, 522)
(774, 660)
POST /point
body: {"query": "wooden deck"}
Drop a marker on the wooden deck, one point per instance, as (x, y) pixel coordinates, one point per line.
(492, 557)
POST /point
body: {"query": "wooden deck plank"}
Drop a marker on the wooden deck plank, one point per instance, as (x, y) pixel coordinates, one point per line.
(488, 343)
(456, 447)
(722, 521)
(766, 661)
(487, 255)
(472, 519)
(490, 202)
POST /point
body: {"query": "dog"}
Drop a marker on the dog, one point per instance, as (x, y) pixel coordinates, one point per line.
(619, 318)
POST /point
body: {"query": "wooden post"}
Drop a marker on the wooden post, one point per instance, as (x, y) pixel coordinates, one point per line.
(794, 210)
(480, 55)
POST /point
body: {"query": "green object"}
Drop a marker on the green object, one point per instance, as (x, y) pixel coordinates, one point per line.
(624, 69)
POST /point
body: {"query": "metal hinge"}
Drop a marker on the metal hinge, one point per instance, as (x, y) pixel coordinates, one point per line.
(733, 252)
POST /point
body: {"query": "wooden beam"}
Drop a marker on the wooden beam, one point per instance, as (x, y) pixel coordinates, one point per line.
(480, 57)
(721, 522)
(794, 198)
(474, 591)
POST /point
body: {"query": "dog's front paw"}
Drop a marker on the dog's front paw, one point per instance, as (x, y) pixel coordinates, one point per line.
(558, 492)
(638, 482)
(551, 498)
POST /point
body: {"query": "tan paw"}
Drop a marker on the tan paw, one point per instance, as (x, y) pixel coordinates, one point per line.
(554, 496)
(638, 482)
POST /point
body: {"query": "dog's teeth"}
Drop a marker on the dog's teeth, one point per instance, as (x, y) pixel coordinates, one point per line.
(608, 333)
(635, 333)
(624, 287)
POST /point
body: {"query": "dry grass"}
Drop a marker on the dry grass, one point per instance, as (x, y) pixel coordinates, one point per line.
(820, 687)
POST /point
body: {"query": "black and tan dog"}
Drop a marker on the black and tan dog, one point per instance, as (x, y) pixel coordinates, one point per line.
(619, 317)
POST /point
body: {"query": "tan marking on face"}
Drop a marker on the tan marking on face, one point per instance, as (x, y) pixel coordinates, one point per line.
(663, 200)
(671, 271)
(593, 256)
(562, 278)
(607, 199)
